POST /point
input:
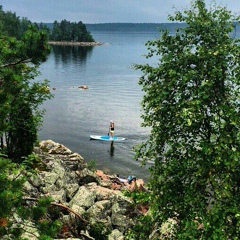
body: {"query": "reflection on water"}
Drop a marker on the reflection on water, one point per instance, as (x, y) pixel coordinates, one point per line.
(73, 54)
(75, 114)
(112, 149)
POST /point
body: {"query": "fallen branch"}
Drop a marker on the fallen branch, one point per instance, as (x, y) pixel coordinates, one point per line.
(59, 205)
(70, 210)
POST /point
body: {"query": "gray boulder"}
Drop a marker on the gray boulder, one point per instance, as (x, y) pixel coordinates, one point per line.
(83, 194)
(83, 198)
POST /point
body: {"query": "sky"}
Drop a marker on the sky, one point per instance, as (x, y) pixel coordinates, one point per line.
(104, 11)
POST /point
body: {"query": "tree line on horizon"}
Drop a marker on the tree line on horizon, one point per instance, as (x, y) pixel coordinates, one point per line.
(134, 27)
(128, 27)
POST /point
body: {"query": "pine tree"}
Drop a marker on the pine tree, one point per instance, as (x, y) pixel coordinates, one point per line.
(20, 94)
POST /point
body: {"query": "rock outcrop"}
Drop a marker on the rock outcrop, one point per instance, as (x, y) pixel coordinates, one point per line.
(84, 87)
(91, 195)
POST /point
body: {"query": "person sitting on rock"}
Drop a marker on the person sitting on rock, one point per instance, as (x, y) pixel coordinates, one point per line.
(131, 178)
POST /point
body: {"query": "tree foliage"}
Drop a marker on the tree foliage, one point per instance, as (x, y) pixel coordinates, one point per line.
(10, 192)
(70, 31)
(13, 206)
(192, 106)
(11, 25)
(22, 49)
(20, 94)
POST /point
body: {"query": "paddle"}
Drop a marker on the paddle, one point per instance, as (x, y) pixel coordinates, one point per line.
(109, 128)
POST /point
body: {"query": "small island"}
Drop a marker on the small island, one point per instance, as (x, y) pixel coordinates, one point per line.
(69, 33)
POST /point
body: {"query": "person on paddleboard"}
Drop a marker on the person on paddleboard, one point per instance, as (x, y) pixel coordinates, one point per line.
(111, 128)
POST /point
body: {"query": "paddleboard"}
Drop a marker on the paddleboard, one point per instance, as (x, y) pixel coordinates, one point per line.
(107, 138)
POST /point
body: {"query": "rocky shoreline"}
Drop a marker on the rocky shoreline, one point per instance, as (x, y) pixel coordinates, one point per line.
(81, 194)
(82, 44)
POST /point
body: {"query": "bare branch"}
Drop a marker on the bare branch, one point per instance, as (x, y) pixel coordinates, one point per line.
(59, 205)
(16, 63)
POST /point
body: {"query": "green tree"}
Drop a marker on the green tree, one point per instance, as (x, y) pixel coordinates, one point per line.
(44, 27)
(70, 31)
(83, 35)
(12, 203)
(24, 24)
(11, 24)
(20, 94)
(22, 132)
(10, 192)
(65, 27)
(192, 106)
(56, 32)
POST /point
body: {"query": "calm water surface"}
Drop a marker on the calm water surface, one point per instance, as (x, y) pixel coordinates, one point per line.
(114, 94)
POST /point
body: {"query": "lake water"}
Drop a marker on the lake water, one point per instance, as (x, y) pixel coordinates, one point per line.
(114, 94)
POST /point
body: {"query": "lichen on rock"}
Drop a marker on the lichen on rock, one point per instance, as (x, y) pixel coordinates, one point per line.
(93, 196)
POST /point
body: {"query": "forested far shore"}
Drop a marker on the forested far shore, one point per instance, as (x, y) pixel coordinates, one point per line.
(129, 27)
(134, 27)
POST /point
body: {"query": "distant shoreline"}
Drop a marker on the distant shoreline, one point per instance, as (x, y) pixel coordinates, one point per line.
(82, 44)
